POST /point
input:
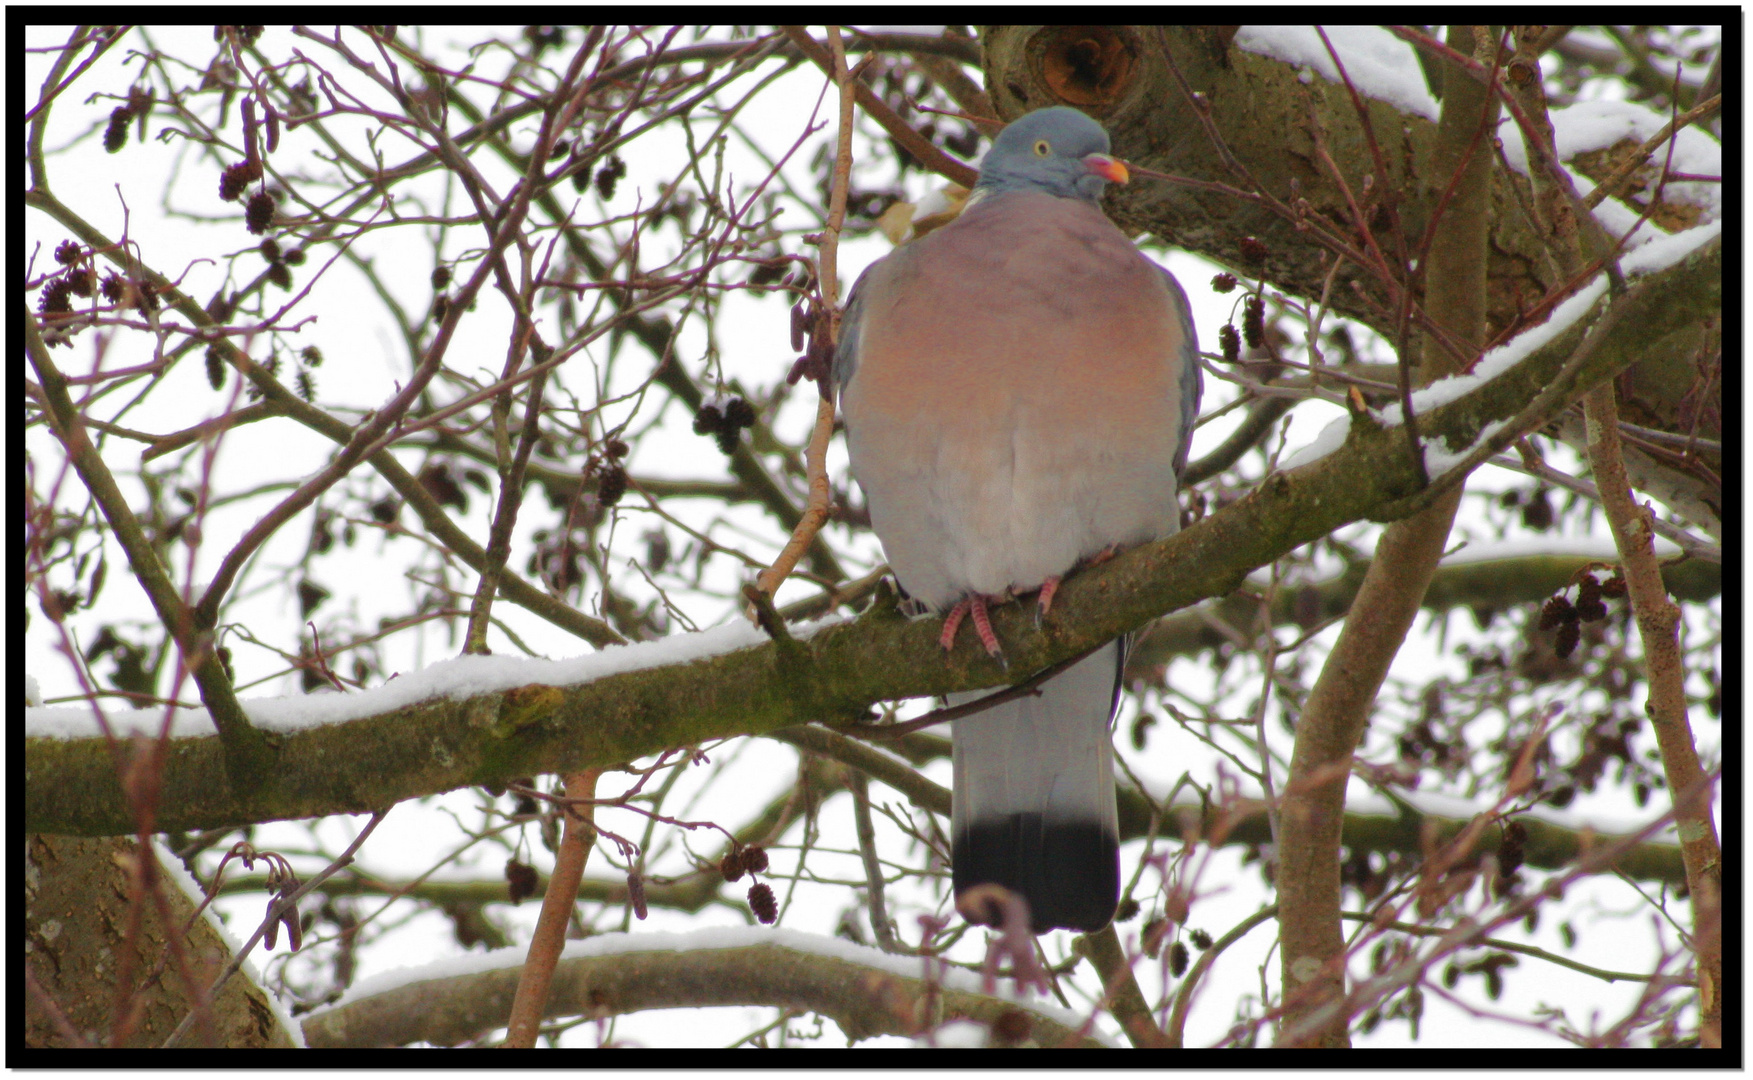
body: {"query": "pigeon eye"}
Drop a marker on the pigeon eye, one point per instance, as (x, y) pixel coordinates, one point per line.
(1042, 149)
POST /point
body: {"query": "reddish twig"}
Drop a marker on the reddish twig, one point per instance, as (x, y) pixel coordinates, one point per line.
(531, 1000)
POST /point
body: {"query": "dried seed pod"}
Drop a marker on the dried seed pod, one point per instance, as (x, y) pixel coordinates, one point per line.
(611, 484)
(1511, 849)
(1254, 322)
(1537, 512)
(67, 252)
(1253, 250)
(273, 127)
(609, 175)
(440, 277)
(1230, 343)
(280, 275)
(1154, 932)
(54, 297)
(1557, 611)
(708, 420)
(259, 214)
(1178, 959)
(636, 894)
(755, 859)
(1569, 636)
(1614, 587)
(237, 178)
(731, 866)
(1201, 940)
(313, 356)
(115, 136)
(215, 367)
(1589, 607)
(1141, 726)
(385, 510)
(294, 257)
(270, 250)
(79, 280)
(739, 413)
(763, 904)
(615, 448)
(1223, 283)
(249, 129)
(520, 880)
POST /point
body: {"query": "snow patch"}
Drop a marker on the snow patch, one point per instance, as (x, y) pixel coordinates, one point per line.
(1331, 438)
(1380, 65)
(1439, 460)
(459, 678)
(1597, 125)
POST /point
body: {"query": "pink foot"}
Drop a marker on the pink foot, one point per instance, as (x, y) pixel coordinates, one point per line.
(951, 623)
(1103, 555)
(1045, 603)
(983, 627)
(975, 605)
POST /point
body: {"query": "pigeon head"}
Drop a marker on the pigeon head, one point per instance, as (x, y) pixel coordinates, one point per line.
(1058, 150)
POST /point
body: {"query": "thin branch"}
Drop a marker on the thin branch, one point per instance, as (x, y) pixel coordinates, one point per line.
(1507, 946)
(873, 869)
(1184, 997)
(277, 912)
(923, 150)
(1658, 625)
(531, 1001)
(1124, 999)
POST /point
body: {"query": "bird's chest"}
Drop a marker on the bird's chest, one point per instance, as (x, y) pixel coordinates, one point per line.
(995, 342)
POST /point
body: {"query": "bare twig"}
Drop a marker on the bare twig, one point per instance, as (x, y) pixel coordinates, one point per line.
(1125, 1000)
(873, 867)
(288, 904)
(815, 513)
(922, 149)
(1184, 997)
(550, 936)
(1609, 184)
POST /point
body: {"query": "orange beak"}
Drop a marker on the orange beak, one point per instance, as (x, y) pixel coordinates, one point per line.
(1109, 169)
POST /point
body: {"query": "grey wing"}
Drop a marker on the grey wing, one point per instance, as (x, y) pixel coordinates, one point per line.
(1192, 379)
(851, 323)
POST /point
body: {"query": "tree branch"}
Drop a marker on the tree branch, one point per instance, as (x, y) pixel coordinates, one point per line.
(865, 999)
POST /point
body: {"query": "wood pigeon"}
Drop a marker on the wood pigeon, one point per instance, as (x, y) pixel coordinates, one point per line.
(1019, 389)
